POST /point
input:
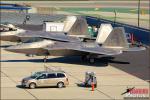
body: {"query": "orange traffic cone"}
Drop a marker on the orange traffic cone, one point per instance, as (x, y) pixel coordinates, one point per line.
(92, 86)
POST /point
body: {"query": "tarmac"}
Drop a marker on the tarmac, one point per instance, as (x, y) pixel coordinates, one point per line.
(114, 76)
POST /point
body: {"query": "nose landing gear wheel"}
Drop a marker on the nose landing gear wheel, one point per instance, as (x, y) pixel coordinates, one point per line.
(45, 59)
(91, 60)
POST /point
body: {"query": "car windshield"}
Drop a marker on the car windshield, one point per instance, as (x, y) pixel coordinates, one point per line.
(36, 74)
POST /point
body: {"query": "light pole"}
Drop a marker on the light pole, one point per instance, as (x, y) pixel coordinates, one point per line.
(139, 12)
(149, 16)
(115, 12)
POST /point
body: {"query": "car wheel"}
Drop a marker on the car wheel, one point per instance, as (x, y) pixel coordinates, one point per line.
(32, 85)
(60, 84)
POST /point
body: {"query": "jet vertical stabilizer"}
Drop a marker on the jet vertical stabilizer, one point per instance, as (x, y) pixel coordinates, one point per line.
(76, 25)
(80, 27)
(116, 39)
(103, 33)
(69, 22)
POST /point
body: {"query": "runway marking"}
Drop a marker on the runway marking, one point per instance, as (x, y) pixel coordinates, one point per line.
(95, 89)
(23, 89)
(82, 81)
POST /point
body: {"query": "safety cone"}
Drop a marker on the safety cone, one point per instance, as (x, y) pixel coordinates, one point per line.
(92, 86)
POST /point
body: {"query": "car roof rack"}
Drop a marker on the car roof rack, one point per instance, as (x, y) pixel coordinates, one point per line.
(53, 69)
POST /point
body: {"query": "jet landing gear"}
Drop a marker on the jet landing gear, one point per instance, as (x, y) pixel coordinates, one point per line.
(90, 59)
(30, 55)
(84, 58)
(45, 59)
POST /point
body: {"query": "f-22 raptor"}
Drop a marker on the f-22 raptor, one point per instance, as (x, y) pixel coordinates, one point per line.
(75, 27)
(114, 43)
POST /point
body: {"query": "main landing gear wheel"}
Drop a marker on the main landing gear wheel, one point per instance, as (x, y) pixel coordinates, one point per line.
(88, 58)
(45, 59)
(91, 60)
(84, 58)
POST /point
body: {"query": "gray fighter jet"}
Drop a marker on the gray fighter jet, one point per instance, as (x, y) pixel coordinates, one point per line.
(114, 44)
(9, 32)
(75, 26)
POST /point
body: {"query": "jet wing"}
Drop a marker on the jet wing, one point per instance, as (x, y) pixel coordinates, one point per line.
(58, 36)
(83, 48)
(100, 50)
(135, 49)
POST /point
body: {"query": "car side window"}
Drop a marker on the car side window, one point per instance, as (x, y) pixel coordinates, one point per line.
(51, 75)
(60, 75)
(43, 76)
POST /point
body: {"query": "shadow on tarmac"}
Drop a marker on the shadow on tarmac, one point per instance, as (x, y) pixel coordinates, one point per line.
(139, 63)
(104, 61)
(44, 87)
(82, 85)
(134, 63)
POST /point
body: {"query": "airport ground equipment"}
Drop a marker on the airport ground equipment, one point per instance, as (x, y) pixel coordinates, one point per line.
(90, 79)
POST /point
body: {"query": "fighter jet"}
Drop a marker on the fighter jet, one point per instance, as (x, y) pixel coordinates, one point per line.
(9, 32)
(113, 44)
(103, 31)
(74, 26)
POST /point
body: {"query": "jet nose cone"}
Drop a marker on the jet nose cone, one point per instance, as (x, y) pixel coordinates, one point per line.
(16, 49)
(11, 48)
(2, 34)
(9, 36)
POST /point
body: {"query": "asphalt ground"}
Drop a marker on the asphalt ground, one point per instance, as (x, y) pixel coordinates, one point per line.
(114, 76)
(135, 63)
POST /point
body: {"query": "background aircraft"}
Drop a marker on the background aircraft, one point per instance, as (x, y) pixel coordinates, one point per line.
(75, 26)
(8, 32)
(114, 44)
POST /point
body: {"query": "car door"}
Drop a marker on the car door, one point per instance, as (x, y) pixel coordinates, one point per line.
(60, 77)
(42, 80)
(51, 79)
